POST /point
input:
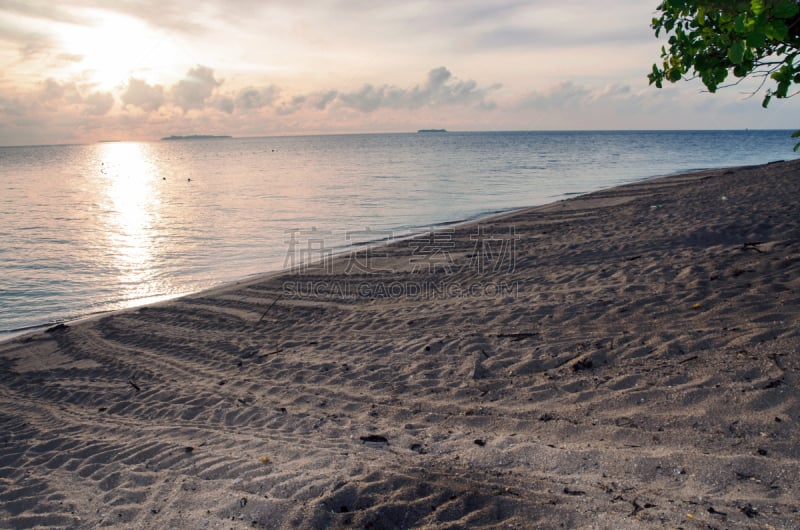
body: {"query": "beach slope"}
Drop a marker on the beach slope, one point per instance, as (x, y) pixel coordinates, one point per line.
(624, 359)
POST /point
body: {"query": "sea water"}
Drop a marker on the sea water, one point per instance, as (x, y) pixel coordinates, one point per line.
(92, 228)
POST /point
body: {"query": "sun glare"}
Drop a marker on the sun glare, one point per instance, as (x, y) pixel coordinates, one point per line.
(116, 47)
(129, 177)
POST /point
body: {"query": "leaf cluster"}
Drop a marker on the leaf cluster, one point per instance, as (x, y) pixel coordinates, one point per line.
(714, 39)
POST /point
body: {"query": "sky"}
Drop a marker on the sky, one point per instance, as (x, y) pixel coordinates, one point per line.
(76, 71)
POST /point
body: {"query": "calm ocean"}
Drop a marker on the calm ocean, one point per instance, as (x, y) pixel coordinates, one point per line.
(92, 228)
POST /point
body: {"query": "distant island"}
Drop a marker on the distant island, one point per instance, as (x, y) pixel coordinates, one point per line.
(431, 130)
(196, 137)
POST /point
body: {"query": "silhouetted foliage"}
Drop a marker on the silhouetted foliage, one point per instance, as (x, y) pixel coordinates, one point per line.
(713, 40)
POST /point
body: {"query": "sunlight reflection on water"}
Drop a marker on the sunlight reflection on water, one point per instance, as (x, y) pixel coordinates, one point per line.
(88, 228)
(127, 177)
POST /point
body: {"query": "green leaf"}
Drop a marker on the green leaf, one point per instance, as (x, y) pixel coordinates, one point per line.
(776, 30)
(711, 40)
(796, 134)
(741, 70)
(756, 38)
(785, 9)
(736, 52)
(738, 24)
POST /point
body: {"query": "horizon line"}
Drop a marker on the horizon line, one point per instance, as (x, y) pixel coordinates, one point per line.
(449, 131)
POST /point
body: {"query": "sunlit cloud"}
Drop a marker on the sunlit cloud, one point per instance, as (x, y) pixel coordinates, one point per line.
(54, 96)
(441, 88)
(565, 94)
(250, 98)
(291, 106)
(12, 108)
(40, 9)
(321, 100)
(192, 91)
(69, 57)
(224, 103)
(143, 95)
(83, 70)
(98, 103)
(52, 90)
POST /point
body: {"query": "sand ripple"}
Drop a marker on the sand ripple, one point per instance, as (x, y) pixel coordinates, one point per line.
(642, 372)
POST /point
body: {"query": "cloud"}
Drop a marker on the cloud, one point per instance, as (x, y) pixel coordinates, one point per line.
(35, 45)
(568, 96)
(254, 98)
(143, 95)
(201, 90)
(69, 57)
(176, 15)
(320, 101)
(192, 91)
(12, 107)
(440, 88)
(19, 27)
(572, 105)
(54, 94)
(223, 103)
(368, 98)
(564, 95)
(28, 44)
(181, 16)
(98, 103)
(293, 105)
(198, 90)
(41, 9)
(545, 37)
(53, 90)
(479, 13)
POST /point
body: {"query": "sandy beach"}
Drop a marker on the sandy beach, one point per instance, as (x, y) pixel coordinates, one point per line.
(624, 359)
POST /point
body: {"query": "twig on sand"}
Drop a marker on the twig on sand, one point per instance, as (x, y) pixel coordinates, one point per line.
(134, 385)
(517, 336)
(270, 307)
(753, 245)
(271, 353)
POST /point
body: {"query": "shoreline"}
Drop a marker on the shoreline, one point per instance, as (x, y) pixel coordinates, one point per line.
(641, 371)
(8, 335)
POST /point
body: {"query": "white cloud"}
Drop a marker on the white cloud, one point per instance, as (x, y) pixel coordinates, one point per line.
(12, 107)
(343, 65)
(54, 95)
(98, 103)
(440, 88)
(322, 100)
(192, 91)
(564, 95)
(292, 106)
(143, 95)
(254, 98)
(223, 103)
